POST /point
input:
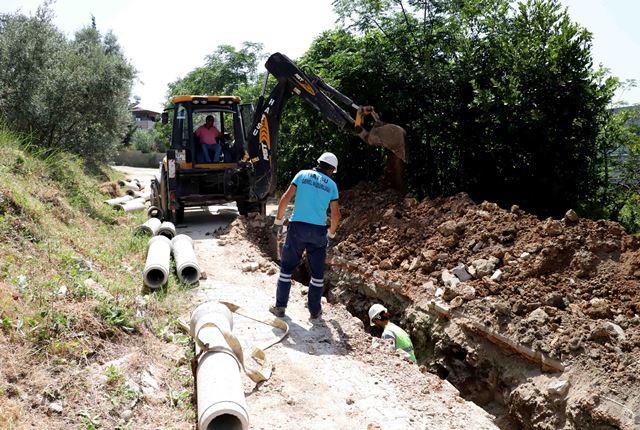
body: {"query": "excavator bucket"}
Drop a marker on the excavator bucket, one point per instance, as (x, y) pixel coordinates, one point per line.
(391, 136)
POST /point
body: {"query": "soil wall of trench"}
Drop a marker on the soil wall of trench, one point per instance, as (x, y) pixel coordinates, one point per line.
(535, 320)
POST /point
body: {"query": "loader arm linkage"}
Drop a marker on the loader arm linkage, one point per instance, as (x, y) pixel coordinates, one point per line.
(263, 138)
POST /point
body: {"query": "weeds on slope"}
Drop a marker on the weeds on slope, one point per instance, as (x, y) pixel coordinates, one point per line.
(70, 285)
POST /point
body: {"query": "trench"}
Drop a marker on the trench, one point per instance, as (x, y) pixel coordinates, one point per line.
(505, 379)
(494, 376)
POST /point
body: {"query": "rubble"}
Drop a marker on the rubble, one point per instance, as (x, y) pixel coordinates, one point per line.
(566, 288)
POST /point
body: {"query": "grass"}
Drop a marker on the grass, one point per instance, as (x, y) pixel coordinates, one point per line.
(71, 280)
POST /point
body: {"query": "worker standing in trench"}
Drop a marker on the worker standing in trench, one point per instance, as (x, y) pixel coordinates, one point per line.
(315, 192)
(379, 317)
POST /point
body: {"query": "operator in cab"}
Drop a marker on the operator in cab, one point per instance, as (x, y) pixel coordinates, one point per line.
(314, 192)
(208, 135)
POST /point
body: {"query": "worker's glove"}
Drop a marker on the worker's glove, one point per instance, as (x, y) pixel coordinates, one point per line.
(330, 239)
(276, 228)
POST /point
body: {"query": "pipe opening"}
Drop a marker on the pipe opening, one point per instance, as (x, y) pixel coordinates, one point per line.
(155, 278)
(166, 234)
(189, 275)
(225, 422)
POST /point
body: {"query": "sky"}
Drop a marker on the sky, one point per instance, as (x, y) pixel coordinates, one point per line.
(150, 32)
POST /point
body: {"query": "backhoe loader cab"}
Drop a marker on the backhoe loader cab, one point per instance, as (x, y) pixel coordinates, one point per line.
(185, 178)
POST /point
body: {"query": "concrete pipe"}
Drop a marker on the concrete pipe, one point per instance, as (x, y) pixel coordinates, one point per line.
(156, 269)
(186, 262)
(154, 212)
(150, 227)
(132, 205)
(134, 186)
(167, 229)
(221, 402)
(118, 200)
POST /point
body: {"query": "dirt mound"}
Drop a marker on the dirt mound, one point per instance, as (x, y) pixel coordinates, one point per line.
(568, 288)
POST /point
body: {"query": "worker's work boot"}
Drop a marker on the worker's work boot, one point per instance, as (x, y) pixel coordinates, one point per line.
(277, 311)
(316, 315)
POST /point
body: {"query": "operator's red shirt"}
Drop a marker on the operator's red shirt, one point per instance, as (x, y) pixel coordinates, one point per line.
(207, 136)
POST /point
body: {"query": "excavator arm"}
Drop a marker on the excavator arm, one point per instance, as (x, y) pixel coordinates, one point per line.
(291, 80)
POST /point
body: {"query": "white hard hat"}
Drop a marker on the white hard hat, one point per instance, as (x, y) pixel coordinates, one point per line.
(374, 311)
(330, 159)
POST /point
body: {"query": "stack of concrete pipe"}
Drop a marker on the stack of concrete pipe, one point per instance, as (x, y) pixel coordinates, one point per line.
(221, 401)
(156, 271)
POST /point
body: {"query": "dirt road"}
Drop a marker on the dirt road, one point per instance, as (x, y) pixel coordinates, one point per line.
(328, 374)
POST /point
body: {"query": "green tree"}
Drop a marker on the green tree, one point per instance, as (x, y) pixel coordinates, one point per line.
(227, 71)
(68, 94)
(499, 101)
(618, 196)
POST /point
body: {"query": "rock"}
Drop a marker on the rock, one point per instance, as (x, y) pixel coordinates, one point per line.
(484, 215)
(350, 401)
(449, 279)
(447, 228)
(538, 316)
(584, 263)
(525, 256)
(461, 273)
(503, 308)
(386, 264)
(552, 227)
(515, 209)
(456, 302)
(556, 300)
(149, 383)
(467, 291)
(272, 271)
(389, 213)
(558, 388)
(478, 246)
(415, 263)
(571, 216)
(429, 288)
(55, 407)
(607, 331)
(497, 275)
(439, 292)
(126, 415)
(450, 293)
(483, 267)
(250, 267)
(489, 206)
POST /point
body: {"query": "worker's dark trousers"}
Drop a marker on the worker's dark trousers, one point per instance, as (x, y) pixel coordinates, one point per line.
(300, 237)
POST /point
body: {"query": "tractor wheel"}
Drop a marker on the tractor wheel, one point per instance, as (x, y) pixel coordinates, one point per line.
(245, 208)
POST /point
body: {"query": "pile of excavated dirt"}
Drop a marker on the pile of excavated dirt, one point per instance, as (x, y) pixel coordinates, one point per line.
(565, 290)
